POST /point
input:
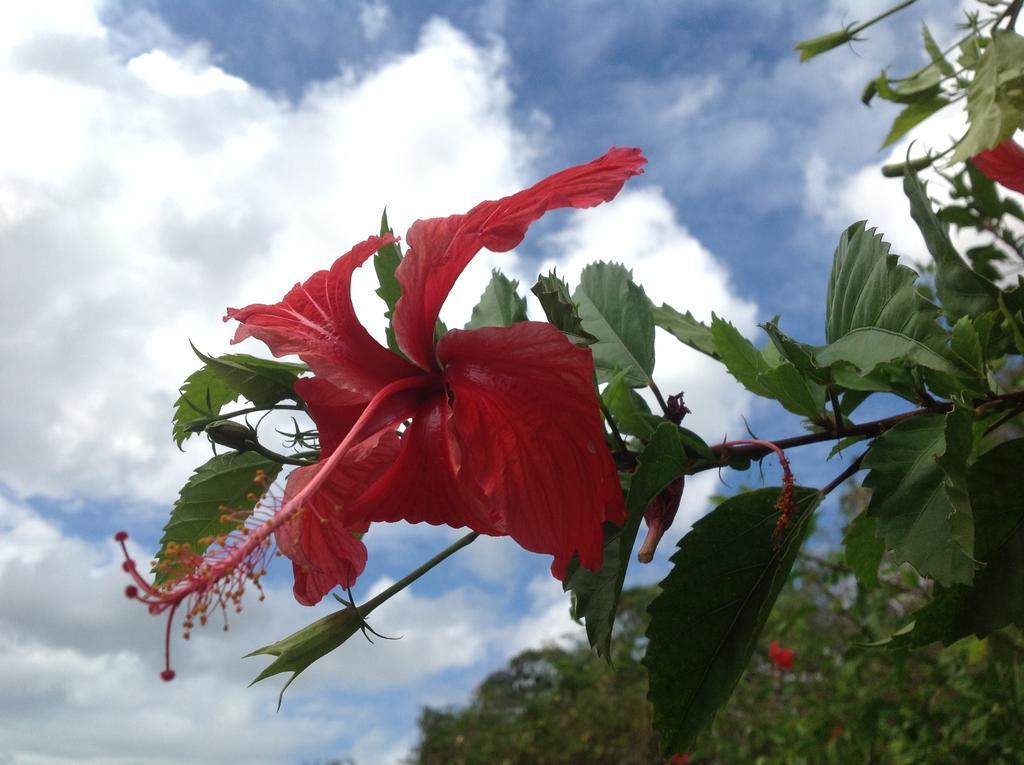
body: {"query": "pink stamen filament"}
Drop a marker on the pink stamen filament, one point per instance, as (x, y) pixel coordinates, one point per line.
(204, 582)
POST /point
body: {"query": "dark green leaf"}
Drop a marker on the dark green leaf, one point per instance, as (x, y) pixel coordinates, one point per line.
(616, 311)
(224, 379)
(913, 115)
(300, 649)
(996, 487)
(909, 499)
(782, 381)
(712, 607)
(798, 354)
(385, 263)
(561, 311)
(922, 86)
(500, 305)
(226, 484)
(961, 290)
(595, 595)
(864, 550)
(686, 329)
(966, 344)
(631, 413)
(993, 97)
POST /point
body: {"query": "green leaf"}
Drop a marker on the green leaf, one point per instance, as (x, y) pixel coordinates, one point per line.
(966, 344)
(631, 413)
(713, 605)
(913, 115)
(935, 53)
(815, 46)
(921, 86)
(863, 549)
(616, 311)
(227, 483)
(994, 96)
(500, 305)
(868, 347)
(224, 379)
(798, 354)
(782, 382)
(300, 649)
(909, 499)
(961, 290)
(385, 262)
(996, 487)
(595, 595)
(561, 311)
(686, 329)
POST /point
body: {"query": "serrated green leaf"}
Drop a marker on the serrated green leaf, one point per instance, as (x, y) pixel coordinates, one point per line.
(385, 262)
(226, 481)
(935, 53)
(913, 115)
(712, 607)
(685, 329)
(553, 294)
(595, 595)
(909, 500)
(224, 379)
(863, 549)
(617, 312)
(922, 86)
(996, 487)
(631, 413)
(314, 641)
(500, 305)
(868, 347)
(961, 290)
(798, 354)
(782, 382)
(966, 344)
(994, 97)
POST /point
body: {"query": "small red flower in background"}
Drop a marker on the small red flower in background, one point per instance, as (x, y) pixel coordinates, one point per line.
(781, 657)
(679, 759)
(1004, 164)
(503, 432)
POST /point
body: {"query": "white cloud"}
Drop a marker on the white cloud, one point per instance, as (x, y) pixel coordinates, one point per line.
(374, 17)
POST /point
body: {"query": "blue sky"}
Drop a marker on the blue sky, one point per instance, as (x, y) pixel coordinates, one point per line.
(163, 160)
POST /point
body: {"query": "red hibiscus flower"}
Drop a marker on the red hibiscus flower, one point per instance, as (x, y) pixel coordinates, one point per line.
(502, 425)
(781, 657)
(1004, 164)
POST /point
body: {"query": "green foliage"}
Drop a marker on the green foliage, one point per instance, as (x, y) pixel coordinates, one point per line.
(500, 305)
(995, 99)
(595, 595)
(726, 578)
(686, 329)
(224, 379)
(217, 499)
(314, 641)
(385, 262)
(616, 311)
(561, 311)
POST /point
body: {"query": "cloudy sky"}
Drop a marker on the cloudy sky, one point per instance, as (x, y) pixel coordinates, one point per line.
(162, 160)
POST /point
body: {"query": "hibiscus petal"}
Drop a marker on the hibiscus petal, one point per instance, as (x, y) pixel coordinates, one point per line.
(423, 485)
(440, 248)
(321, 540)
(1004, 164)
(316, 321)
(529, 428)
(333, 409)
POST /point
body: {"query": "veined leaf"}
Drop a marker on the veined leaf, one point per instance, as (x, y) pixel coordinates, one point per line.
(561, 311)
(909, 499)
(500, 305)
(996, 599)
(631, 413)
(595, 596)
(961, 290)
(617, 312)
(224, 379)
(686, 329)
(863, 549)
(781, 381)
(935, 53)
(712, 607)
(912, 116)
(226, 484)
(994, 106)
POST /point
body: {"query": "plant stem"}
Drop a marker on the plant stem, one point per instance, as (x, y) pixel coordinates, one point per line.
(840, 479)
